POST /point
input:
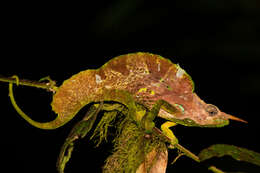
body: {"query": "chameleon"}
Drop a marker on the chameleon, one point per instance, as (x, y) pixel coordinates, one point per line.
(162, 87)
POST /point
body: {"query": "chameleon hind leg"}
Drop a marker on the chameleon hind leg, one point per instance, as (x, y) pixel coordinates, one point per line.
(80, 130)
(148, 124)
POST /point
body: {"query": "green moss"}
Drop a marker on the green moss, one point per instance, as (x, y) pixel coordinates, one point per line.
(130, 148)
(131, 144)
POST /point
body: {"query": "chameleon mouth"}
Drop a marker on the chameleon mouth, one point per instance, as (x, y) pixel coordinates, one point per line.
(231, 117)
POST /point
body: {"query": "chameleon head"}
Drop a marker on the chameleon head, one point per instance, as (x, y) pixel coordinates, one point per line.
(195, 112)
(209, 115)
(216, 117)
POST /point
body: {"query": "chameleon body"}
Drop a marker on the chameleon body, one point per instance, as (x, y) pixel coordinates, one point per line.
(140, 78)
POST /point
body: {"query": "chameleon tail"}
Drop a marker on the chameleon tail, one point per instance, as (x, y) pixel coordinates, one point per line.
(46, 125)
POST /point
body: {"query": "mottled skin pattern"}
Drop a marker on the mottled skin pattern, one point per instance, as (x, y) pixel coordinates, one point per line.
(148, 78)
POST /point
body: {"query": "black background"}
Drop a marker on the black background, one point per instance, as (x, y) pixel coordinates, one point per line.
(217, 42)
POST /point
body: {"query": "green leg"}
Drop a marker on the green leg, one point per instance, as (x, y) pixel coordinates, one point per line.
(168, 132)
(79, 131)
(147, 120)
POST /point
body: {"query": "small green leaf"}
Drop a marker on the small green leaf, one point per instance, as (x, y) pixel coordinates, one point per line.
(237, 153)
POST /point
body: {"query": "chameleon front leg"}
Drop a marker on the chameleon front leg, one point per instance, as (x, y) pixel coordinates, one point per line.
(80, 130)
(168, 133)
(147, 120)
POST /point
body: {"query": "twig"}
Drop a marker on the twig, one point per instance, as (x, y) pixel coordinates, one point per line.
(178, 146)
(50, 86)
(185, 151)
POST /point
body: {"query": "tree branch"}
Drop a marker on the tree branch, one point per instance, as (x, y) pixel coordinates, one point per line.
(178, 146)
(50, 85)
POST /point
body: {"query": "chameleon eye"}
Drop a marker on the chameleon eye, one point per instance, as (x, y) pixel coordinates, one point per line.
(211, 109)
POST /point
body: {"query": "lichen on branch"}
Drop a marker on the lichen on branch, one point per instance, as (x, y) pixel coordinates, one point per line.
(131, 147)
